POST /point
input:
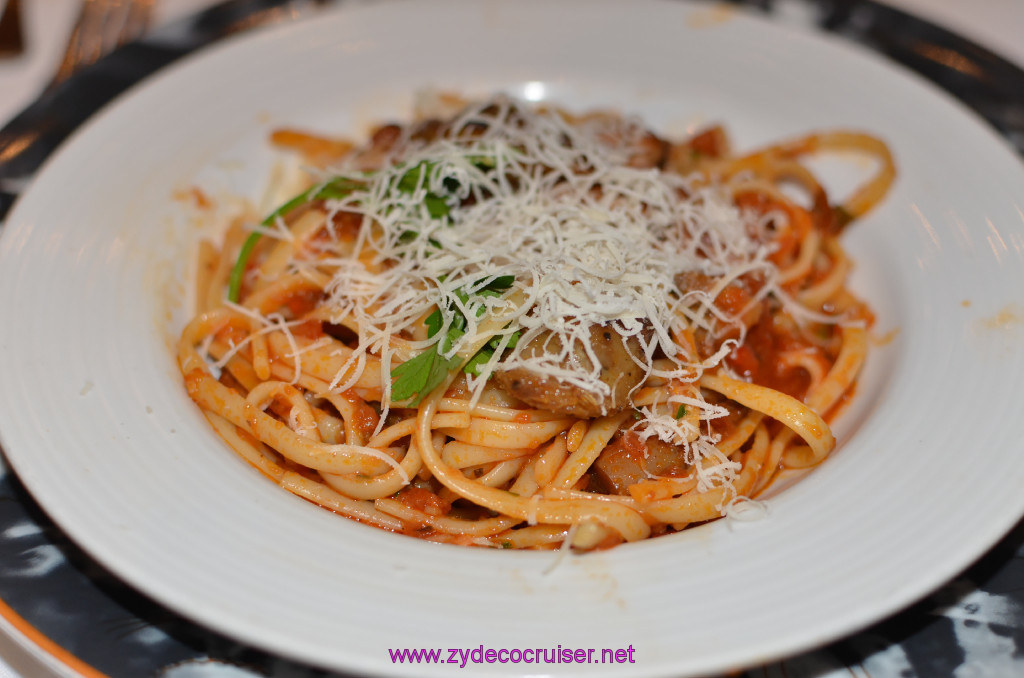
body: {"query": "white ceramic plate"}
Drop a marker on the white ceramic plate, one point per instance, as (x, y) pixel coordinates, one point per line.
(96, 423)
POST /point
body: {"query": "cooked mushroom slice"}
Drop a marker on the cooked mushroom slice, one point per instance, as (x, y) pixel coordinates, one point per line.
(618, 369)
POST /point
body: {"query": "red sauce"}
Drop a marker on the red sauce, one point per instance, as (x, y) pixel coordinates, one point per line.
(309, 329)
(365, 420)
(758, 358)
(787, 242)
(522, 418)
(629, 446)
(733, 299)
(423, 500)
(711, 142)
(303, 302)
(232, 335)
(346, 226)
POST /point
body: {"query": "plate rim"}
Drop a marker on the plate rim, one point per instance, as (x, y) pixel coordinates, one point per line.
(15, 216)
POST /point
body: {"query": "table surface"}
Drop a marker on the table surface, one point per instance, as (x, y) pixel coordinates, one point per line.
(61, 614)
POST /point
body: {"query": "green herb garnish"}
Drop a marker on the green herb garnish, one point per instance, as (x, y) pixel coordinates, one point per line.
(416, 378)
(681, 412)
(335, 189)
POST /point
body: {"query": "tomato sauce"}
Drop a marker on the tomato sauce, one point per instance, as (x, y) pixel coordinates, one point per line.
(757, 359)
(309, 329)
(302, 302)
(366, 418)
(423, 500)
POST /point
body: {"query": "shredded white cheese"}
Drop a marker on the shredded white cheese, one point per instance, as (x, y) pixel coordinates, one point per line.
(589, 240)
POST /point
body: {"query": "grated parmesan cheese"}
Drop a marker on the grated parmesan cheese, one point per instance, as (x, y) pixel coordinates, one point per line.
(589, 240)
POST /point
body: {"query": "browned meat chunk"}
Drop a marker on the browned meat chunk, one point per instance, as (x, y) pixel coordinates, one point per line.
(650, 152)
(618, 370)
(736, 299)
(710, 144)
(628, 460)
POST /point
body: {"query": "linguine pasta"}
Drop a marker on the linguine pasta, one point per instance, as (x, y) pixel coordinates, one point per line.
(517, 327)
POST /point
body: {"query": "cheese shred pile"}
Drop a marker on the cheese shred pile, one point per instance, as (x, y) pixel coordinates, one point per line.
(589, 240)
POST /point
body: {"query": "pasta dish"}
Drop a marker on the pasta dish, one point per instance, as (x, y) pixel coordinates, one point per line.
(518, 327)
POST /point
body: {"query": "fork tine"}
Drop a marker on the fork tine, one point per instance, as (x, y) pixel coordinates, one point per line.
(102, 26)
(139, 14)
(126, 21)
(84, 43)
(111, 19)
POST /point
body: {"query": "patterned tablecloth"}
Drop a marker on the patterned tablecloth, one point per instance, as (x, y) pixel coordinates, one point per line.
(89, 622)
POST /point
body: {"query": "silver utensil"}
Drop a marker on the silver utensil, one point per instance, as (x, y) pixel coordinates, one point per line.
(29, 138)
(102, 26)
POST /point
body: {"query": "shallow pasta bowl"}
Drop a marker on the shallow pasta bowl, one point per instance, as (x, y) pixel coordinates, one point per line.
(94, 265)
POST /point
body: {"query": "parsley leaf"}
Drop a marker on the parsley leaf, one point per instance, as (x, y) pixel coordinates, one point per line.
(482, 357)
(433, 323)
(681, 412)
(416, 176)
(336, 189)
(341, 187)
(429, 369)
(416, 378)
